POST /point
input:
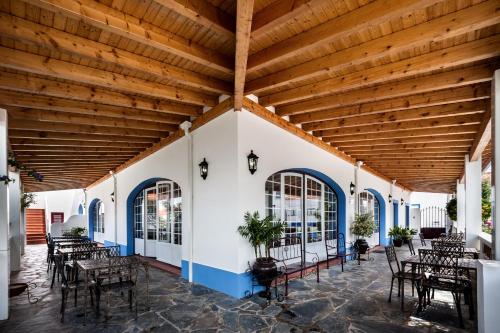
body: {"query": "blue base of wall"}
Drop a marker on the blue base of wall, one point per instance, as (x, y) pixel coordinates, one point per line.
(233, 284)
(123, 248)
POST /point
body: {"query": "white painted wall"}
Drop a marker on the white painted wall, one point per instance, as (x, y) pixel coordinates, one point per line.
(426, 199)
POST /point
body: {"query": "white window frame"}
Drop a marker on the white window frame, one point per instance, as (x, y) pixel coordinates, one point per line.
(99, 217)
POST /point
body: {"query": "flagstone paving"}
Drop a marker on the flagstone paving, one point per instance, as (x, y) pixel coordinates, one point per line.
(351, 301)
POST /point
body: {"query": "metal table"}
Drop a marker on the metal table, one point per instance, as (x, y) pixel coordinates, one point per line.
(92, 265)
(414, 261)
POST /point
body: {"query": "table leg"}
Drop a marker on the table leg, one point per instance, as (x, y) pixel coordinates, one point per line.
(147, 287)
(85, 295)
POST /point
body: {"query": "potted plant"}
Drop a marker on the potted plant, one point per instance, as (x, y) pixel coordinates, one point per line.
(362, 226)
(407, 234)
(397, 234)
(260, 233)
(77, 231)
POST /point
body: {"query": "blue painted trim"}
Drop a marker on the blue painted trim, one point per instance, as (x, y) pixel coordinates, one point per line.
(341, 197)
(395, 206)
(130, 210)
(123, 248)
(91, 217)
(233, 284)
(415, 205)
(80, 209)
(383, 240)
(407, 217)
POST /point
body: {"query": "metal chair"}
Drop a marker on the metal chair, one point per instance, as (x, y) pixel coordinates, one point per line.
(399, 274)
(410, 246)
(422, 239)
(335, 248)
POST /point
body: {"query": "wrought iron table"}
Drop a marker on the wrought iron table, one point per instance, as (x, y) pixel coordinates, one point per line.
(414, 261)
(92, 265)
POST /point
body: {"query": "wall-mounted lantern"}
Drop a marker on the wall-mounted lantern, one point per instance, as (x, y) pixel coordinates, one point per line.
(352, 188)
(203, 169)
(252, 162)
(402, 201)
(390, 198)
(112, 195)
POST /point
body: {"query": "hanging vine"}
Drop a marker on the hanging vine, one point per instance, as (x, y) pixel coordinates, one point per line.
(21, 167)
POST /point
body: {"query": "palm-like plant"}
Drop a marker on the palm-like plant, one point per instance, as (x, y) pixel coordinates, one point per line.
(260, 232)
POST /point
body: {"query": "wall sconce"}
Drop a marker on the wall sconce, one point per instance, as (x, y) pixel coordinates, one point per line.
(203, 169)
(402, 201)
(352, 188)
(390, 198)
(252, 162)
(112, 195)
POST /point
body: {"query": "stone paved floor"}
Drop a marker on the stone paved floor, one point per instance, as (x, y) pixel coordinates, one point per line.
(352, 301)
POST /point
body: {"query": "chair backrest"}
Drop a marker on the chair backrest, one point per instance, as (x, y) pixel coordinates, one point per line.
(114, 250)
(59, 264)
(331, 246)
(449, 247)
(392, 259)
(121, 268)
(439, 264)
(410, 246)
(286, 248)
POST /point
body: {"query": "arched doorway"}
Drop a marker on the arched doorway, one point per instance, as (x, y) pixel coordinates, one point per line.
(93, 218)
(311, 204)
(154, 220)
(382, 211)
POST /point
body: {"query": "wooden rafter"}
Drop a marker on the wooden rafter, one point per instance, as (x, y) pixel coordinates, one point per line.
(483, 137)
(243, 25)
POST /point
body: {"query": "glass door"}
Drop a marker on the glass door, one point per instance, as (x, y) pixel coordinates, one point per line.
(314, 216)
(169, 217)
(150, 222)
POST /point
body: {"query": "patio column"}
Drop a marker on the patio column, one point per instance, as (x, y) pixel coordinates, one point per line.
(460, 206)
(495, 167)
(473, 209)
(15, 222)
(4, 221)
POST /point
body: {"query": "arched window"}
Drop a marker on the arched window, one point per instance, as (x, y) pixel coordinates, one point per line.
(99, 217)
(139, 215)
(368, 204)
(287, 193)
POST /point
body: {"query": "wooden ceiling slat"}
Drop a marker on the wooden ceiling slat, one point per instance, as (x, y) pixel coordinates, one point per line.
(75, 128)
(470, 52)
(425, 84)
(244, 23)
(466, 108)
(32, 63)
(483, 137)
(11, 98)
(35, 85)
(454, 24)
(369, 15)
(80, 119)
(203, 13)
(56, 40)
(440, 97)
(425, 139)
(116, 22)
(49, 138)
(472, 119)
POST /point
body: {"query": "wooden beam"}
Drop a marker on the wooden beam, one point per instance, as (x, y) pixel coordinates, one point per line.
(472, 119)
(60, 41)
(430, 112)
(483, 137)
(19, 148)
(413, 158)
(40, 86)
(454, 56)
(208, 116)
(71, 155)
(76, 128)
(65, 117)
(436, 98)
(395, 147)
(243, 25)
(429, 83)
(279, 13)
(454, 24)
(80, 144)
(32, 63)
(203, 13)
(51, 138)
(12, 98)
(372, 14)
(384, 142)
(405, 133)
(456, 150)
(130, 27)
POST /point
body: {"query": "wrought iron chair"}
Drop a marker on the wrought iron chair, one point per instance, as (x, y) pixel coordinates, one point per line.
(290, 258)
(335, 248)
(440, 271)
(120, 274)
(69, 286)
(422, 239)
(398, 273)
(449, 247)
(113, 251)
(410, 246)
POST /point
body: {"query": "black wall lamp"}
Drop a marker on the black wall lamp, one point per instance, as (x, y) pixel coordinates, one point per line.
(252, 162)
(352, 188)
(402, 201)
(203, 169)
(112, 197)
(390, 198)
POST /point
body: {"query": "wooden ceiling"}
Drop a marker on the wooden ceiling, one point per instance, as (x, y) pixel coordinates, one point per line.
(403, 85)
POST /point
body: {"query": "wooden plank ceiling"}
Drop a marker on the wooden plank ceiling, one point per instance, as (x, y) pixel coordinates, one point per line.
(403, 85)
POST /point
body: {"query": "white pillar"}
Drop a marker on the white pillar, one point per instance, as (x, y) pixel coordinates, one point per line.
(473, 209)
(460, 207)
(357, 186)
(4, 221)
(15, 222)
(495, 139)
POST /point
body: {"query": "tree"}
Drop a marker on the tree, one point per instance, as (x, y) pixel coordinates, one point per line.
(451, 209)
(485, 200)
